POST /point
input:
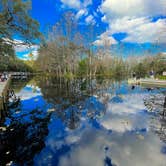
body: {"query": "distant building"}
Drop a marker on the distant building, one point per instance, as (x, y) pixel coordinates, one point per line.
(164, 73)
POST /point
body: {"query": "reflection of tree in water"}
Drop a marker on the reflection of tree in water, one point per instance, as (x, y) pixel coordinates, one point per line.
(70, 116)
(72, 97)
(23, 139)
(91, 108)
(59, 90)
(18, 84)
(162, 131)
(154, 103)
(157, 103)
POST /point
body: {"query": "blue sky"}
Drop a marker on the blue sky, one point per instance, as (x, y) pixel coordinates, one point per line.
(131, 27)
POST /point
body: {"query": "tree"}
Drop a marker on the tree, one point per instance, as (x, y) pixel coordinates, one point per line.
(64, 48)
(15, 19)
(6, 49)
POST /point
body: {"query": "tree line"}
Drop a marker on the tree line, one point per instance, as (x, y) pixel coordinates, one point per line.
(67, 52)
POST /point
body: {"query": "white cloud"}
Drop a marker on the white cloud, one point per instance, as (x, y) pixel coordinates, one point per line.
(153, 32)
(102, 42)
(132, 104)
(87, 3)
(21, 46)
(105, 39)
(72, 3)
(133, 18)
(117, 124)
(24, 48)
(80, 13)
(126, 24)
(104, 19)
(26, 56)
(81, 8)
(128, 116)
(29, 92)
(126, 150)
(76, 4)
(138, 8)
(90, 20)
(139, 30)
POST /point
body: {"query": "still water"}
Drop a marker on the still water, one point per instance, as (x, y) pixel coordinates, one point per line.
(84, 123)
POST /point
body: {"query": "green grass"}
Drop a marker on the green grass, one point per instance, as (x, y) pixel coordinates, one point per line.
(161, 77)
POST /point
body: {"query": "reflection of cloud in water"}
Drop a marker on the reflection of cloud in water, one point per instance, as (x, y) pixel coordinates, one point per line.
(28, 92)
(125, 150)
(125, 123)
(126, 113)
(132, 103)
(130, 150)
(57, 142)
(31, 101)
(130, 144)
(29, 108)
(110, 126)
(86, 145)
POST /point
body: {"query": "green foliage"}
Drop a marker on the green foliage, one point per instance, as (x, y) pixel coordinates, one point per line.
(140, 70)
(147, 64)
(6, 49)
(161, 77)
(15, 19)
(101, 70)
(159, 66)
(13, 64)
(68, 75)
(83, 67)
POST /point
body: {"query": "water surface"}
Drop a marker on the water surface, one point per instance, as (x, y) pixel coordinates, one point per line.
(84, 122)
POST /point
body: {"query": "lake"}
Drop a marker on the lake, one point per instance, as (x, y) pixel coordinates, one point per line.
(82, 122)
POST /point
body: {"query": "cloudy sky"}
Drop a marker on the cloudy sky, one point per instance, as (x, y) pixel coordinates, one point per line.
(133, 27)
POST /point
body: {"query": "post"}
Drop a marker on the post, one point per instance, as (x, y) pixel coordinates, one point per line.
(4, 98)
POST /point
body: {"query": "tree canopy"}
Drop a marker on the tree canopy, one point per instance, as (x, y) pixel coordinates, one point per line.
(15, 20)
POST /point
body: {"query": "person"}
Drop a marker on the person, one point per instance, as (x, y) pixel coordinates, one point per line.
(0, 77)
(5, 76)
(151, 74)
(134, 76)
